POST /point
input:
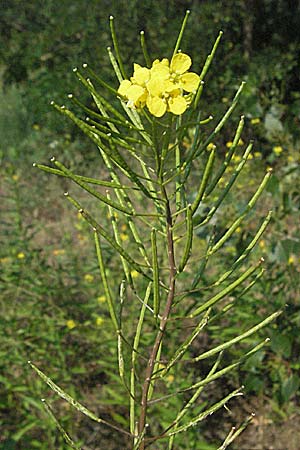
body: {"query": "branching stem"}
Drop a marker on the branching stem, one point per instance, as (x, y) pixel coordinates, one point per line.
(163, 321)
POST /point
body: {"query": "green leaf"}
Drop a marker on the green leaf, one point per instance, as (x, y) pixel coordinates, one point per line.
(289, 387)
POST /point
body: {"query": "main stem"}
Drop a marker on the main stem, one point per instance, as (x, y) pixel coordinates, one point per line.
(163, 321)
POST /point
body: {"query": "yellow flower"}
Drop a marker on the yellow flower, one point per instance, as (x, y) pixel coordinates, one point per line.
(101, 299)
(291, 260)
(262, 244)
(123, 237)
(15, 177)
(88, 277)
(228, 144)
(237, 158)
(257, 154)
(134, 273)
(170, 378)
(21, 255)
(71, 324)
(58, 252)
(210, 146)
(277, 150)
(99, 321)
(124, 227)
(255, 120)
(241, 142)
(162, 87)
(4, 260)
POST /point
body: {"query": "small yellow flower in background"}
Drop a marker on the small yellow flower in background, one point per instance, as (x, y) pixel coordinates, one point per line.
(291, 159)
(239, 229)
(123, 237)
(222, 181)
(237, 158)
(228, 144)
(70, 324)
(4, 260)
(15, 177)
(170, 378)
(134, 273)
(225, 100)
(291, 260)
(255, 120)
(99, 321)
(101, 299)
(210, 146)
(79, 216)
(21, 255)
(59, 251)
(162, 87)
(241, 142)
(36, 126)
(89, 277)
(124, 227)
(277, 150)
(257, 154)
(250, 156)
(262, 244)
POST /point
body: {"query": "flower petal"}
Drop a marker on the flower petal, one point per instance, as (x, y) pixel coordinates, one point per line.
(123, 88)
(135, 93)
(177, 105)
(157, 106)
(160, 69)
(141, 75)
(156, 86)
(189, 81)
(180, 63)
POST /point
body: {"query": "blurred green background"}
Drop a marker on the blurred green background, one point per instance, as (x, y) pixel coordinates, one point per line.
(51, 301)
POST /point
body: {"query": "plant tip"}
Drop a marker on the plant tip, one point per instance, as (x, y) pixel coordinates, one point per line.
(188, 11)
(111, 17)
(52, 159)
(84, 65)
(29, 362)
(267, 340)
(75, 69)
(62, 107)
(253, 414)
(43, 400)
(66, 194)
(142, 32)
(269, 169)
(262, 259)
(70, 95)
(108, 48)
(33, 164)
(52, 102)
(94, 229)
(80, 210)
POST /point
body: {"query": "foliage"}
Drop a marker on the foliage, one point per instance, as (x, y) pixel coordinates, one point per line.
(149, 154)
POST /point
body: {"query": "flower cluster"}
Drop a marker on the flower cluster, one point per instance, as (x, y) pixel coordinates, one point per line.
(161, 88)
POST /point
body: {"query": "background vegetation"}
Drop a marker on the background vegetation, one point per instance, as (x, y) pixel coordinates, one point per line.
(51, 301)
